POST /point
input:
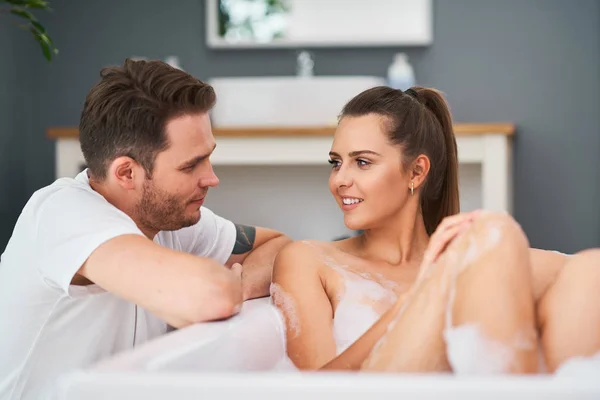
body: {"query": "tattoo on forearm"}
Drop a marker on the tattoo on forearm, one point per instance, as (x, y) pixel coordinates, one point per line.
(244, 240)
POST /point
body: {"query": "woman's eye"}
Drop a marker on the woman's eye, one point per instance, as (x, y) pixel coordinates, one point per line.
(334, 163)
(362, 163)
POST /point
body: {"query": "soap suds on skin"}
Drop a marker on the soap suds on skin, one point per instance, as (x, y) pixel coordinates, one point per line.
(526, 339)
(412, 290)
(371, 360)
(287, 306)
(361, 303)
(468, 350)
(454, 336)
(476, 248)
(371, 287)
(580, 367)
(362, 299)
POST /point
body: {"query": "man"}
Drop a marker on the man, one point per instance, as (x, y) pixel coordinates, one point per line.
(103, 262)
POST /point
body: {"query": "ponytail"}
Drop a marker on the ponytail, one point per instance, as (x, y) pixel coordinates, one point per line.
(446, 202)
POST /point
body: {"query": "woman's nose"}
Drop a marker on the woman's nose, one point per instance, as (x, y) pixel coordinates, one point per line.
(342, 177)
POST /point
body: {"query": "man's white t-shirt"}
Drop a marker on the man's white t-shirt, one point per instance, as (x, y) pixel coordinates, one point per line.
(49, 326)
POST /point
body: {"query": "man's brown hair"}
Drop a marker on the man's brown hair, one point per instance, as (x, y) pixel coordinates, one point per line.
(126, 112)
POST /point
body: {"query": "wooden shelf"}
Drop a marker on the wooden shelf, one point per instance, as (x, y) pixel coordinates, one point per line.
(460, 129)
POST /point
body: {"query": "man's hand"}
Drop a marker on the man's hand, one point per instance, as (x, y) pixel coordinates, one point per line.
(255, 248)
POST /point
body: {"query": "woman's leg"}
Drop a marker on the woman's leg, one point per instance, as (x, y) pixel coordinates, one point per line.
(481, 285)
(569, 311)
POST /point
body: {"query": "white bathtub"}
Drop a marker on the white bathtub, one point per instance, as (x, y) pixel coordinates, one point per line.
(239, 358)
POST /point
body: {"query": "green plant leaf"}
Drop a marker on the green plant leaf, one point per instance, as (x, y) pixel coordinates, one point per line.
(38, 26)
(28, 3)
(41, 5)
(45, 43)
(19, 9)
(22, 13)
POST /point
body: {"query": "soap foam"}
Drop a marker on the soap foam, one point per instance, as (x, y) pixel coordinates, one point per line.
(368, 288)
(409, 294)
(458, 340)
(468, 350)
(362, 299)
(479, 245)
(580, 367)
(286, 304)
(361, 304)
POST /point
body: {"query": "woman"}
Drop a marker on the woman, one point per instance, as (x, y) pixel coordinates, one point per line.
(425, 288)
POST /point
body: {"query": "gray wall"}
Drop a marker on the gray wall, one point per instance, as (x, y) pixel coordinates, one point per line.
(17, 103)
(533, 62)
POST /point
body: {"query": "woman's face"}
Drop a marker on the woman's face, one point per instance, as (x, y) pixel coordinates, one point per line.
(367, 179)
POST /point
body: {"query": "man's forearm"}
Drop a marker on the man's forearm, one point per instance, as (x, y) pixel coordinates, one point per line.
(258, 267)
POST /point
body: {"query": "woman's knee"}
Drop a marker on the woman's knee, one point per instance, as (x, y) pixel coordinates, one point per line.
(583, 269)
(501, 229)
(568, 312)
(589, 258)
(492, 234)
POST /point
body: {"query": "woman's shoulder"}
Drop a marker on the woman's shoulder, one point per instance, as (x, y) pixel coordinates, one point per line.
(301, 249)
(305, 254)
(314, 247)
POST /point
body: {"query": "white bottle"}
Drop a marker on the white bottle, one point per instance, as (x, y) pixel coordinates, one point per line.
(400, 73)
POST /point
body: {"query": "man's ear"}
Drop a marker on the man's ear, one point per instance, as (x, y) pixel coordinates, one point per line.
(419, 170)
(126, 172)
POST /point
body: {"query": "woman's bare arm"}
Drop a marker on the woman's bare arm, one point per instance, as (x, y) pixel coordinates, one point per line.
(298, 292)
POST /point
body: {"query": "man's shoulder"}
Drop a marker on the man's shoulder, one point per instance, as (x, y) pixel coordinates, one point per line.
(69, 200)
(60, 191)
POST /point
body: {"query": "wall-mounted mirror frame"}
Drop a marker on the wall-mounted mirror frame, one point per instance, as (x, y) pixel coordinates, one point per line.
(238, 24)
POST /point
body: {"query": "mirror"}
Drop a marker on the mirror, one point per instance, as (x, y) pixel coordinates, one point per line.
(318, 23)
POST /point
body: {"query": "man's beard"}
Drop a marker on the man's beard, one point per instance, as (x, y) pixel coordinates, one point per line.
(161, 211)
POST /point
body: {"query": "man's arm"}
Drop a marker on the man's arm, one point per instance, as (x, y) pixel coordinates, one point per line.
(179, 288)
(256, 248)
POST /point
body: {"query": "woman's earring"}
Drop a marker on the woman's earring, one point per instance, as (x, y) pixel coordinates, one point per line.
(412, 188)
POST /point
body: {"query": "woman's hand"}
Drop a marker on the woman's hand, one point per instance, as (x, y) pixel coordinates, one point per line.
(446, 232)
